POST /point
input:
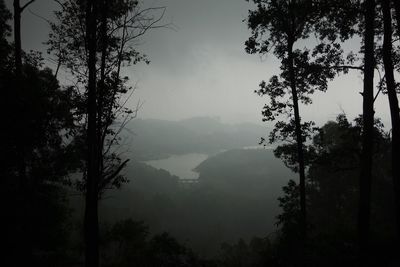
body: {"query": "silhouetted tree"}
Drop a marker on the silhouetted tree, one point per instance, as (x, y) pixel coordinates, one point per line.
(342, 20)
(288, 221)
(36, 154)
(124, 22)
(333, 191)
(368, 125)
(43, 115)
(92, 172)
(387, 53)
(18, 9)
(37, 116)
(278, 25)
(121, 23)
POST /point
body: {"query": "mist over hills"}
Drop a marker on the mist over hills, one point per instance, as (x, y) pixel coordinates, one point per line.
(153, 139)
(236, 194)
(236, 197)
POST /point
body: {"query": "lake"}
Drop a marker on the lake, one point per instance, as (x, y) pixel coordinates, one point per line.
(180, 165)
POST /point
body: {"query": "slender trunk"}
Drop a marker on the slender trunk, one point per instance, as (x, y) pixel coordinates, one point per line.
(17, 38)
(393, 103)
(299, 141)
(91, 209)
(57, 68)
(367, 138)
(101, 123)
(18, 80)
(24, 236)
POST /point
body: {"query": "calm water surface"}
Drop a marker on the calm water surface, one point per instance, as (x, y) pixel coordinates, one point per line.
(180, 165)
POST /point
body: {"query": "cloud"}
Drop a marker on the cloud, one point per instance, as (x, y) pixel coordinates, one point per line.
(202, 68)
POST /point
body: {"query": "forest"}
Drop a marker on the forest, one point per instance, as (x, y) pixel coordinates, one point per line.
(88, 180)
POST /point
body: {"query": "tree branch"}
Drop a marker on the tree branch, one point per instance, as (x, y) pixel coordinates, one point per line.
(26, 5)
(110, 177)
(347, 67)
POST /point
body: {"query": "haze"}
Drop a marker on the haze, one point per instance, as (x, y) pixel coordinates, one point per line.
(107, 161)
(201, 68)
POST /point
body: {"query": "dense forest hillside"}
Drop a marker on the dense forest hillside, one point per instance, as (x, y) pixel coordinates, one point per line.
(236, 197)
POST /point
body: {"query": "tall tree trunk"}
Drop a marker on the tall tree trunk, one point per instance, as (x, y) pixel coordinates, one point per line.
(368, 127)
(24, 237)
(299, 141)
(91, 209)
(17, 38)
(102, 86)
(393, 103)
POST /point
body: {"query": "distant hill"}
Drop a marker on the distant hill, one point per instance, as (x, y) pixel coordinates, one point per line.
(247, 172)
(236, 198)
(153, 139)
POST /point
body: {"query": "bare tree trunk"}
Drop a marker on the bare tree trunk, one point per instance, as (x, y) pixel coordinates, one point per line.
(91, 209)
(367, 138)
(23, 235)
(26, 190)
(393, 103)
(299, 141)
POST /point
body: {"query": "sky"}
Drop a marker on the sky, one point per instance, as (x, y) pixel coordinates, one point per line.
(202, 69)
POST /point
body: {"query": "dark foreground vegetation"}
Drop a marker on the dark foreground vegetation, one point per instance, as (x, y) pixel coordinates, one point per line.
(71, 198)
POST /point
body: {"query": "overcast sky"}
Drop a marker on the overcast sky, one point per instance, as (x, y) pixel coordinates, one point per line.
(201, 69)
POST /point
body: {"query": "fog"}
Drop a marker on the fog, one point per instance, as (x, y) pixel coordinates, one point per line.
(199, 66)
(109, 161)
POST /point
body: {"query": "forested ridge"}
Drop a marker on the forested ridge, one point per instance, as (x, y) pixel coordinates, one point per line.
(77, 183)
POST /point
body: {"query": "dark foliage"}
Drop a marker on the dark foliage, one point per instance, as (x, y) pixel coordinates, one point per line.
(36, 113)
